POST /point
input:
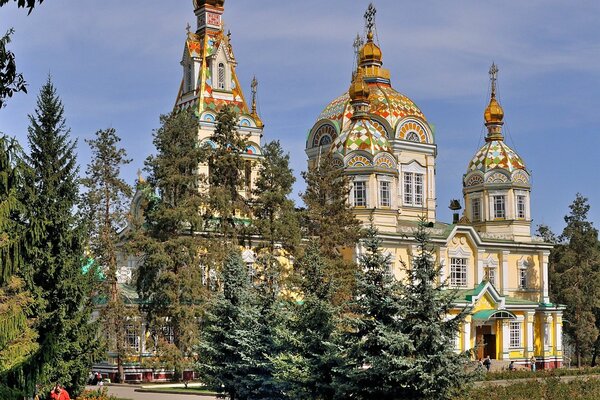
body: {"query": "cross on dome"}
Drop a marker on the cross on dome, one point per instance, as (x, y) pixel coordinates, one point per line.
(493, 77)
(370, 18)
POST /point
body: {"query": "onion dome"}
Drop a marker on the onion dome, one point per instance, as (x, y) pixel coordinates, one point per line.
(359, 90)
(215, 3)
(494, 114)
(370, 53)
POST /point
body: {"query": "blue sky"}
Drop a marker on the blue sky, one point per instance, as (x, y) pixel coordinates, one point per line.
(116, 64)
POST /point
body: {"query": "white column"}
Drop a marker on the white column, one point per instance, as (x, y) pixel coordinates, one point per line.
(505, 339)
(480, 272)
(529, 344)
(557, 317)
(143, 338)
(546, 331)
(466, 334)
(443, 264)
(543, 256)
(505, 254)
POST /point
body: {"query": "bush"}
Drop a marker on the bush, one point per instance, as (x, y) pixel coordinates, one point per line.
(547, 389)
(100, 394)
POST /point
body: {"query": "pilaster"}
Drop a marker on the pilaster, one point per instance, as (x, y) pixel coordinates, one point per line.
(505, 339)
(505, 254)
(529, 336)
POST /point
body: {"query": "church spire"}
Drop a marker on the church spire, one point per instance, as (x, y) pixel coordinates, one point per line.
(494, 114)
(208, 14)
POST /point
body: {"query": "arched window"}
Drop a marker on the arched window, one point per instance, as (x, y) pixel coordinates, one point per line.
(413, 137)
(221, 76)
(325, 140)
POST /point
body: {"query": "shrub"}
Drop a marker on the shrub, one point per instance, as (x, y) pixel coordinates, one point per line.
(100, 394)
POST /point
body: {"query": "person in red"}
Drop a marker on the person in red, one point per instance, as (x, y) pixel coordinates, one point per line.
(59, 393)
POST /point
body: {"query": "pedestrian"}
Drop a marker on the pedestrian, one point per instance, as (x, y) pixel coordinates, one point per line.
(59, 393)
(533, 361)
(511, 366)
(487, 363)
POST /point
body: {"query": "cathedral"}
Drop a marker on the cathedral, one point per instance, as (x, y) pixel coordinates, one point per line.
(386, 146)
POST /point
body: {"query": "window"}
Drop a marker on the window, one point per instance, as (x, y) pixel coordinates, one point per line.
(523, 277)
(132, 337)
(413, 189)
(360, 194)
(384, 194)
(189, 78)
(521, 214)
(515, 335)
(458, 272)
(413, 137)
(325, 140)
(476, 210)
(499, 207)
(221, 76)
(490, 275)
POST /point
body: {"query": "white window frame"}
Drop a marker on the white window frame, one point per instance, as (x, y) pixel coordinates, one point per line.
(385, 196)
(221, 76)
(521, 200)
(523, 282)
(497, 213)
(491, 273)
(413, 184)
(364, 191)
(515, 334)
(458, 271)
(132, 335)
(476, 217)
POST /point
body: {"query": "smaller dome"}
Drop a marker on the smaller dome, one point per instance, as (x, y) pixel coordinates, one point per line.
(495, 154)
(370, 52)
(214, 3)
(361, 135)
(493, 114)
(359, 90)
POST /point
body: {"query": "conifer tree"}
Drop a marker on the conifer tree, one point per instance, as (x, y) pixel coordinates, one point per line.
(226, 178)
(433, 370)
(329, 219)
(574, 271)
(310, 353)
(106, 207)
(273, 211)
(170, 276)
(17, 338)
(229, 332)
(376, 347)
(55, 257)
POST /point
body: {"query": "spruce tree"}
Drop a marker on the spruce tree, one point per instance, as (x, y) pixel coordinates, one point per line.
(17, 338)
(106, 205)
(228, 334)
(226, 178)
(273, 212)
(170, 278)
(375, 346)
(329, 219)
(574, 271)
(55, 255)
(433, 370)
(310, 353)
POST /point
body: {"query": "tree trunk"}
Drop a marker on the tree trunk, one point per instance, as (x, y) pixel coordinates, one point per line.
(578, 358)
(596, 349)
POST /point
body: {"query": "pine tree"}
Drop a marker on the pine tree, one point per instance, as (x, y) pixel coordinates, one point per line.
(434, 370)
(106, 207)
(310, 352)
(170, 279)
(17, 338)
(574, 271)
(376, 347)
(273, 212)
(229, 333)
(329, 219)
(225, 177)
(62, 290)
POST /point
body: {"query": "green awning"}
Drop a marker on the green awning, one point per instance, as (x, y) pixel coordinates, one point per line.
(486, 315)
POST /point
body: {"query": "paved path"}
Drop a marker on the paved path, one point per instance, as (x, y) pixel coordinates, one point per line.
(128, 392)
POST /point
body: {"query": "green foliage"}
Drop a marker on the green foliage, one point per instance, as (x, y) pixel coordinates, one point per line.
(544, 373)
(30, 4)
(100, 394)
(170, 279)
(310, 352)
(11, 82)
(273, 212)
(54, 256)
(574, 269)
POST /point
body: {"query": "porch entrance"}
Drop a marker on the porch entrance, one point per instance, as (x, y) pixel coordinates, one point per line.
(486, 342)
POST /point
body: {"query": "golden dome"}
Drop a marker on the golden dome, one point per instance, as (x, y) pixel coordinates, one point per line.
(214, 3)
(370, 51)
(494, 114)
(359, 90)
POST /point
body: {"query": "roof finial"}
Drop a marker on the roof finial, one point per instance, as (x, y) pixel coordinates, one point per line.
(358, 43)
(254, 86)
(493, 78)
(370, 20)
(188, 28)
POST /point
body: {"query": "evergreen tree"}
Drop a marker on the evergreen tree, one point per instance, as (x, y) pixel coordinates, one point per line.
(11, 82)
(106, 207)
(574, 271)
(273, 212)
(310, 352)
(229, 333)
(376, 347)
(434, 370)
(329, 219)
(170, 279)
(62, 290)
(17, 338)
(226, 178)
